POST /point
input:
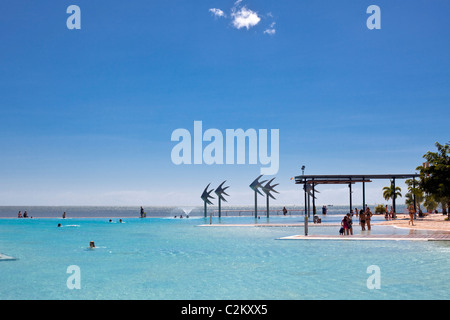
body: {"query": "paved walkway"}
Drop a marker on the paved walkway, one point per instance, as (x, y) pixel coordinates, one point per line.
(270, 225)
(394, 237)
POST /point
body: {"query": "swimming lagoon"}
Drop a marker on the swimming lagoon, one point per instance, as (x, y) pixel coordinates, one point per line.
(170, 258)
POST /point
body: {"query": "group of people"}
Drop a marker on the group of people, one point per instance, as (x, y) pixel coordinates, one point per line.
(142, 212)
(25, 215)
(364, 216)
(389, 215)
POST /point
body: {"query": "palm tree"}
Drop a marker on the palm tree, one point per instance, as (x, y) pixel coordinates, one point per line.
(414, 192)
(390, 193)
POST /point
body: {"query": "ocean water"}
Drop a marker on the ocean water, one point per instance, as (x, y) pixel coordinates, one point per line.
(173, 258)
(133, 211)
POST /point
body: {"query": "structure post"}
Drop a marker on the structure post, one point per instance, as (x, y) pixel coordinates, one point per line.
(364, 195)
(313, 198)
(306, 218)
(393, 197)
(350, 191)
(414, 195)
(306, 208)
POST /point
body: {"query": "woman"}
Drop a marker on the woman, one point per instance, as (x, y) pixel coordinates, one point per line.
(349, 224)
(411, 215)
(344, 224)
(368, 216)
(362, 220)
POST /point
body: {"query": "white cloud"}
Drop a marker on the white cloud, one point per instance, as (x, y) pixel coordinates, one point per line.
(217, 12)
(244, 18)
(271, 30)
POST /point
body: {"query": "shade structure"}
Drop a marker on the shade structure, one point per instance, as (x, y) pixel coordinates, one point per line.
(309, 181)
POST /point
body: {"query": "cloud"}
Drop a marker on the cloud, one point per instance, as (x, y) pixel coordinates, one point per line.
(244, 18)
(217, 12)
(271, 30)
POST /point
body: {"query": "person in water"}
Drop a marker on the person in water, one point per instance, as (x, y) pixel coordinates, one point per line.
(92, 245)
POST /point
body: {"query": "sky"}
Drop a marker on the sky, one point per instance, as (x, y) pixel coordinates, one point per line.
(87, 115)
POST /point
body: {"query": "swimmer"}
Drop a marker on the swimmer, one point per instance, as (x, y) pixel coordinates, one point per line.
(91, 245)
(120, 220)
(59, 225)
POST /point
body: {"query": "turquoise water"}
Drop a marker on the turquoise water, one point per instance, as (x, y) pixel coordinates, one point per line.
(166, 258)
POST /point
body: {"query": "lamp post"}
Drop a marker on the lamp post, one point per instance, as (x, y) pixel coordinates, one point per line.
(306, 203)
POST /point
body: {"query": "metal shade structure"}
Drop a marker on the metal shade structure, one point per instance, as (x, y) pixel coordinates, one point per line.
(267, 189)
(255, 186)
(206, 195)
(309, 181)
(220, 191)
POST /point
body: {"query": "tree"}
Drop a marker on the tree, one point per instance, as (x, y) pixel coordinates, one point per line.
(435, 174)
(414, 191)
(390, 193)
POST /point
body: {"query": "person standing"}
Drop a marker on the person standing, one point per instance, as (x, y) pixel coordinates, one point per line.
(411, 215)
(349, 224)
(368, 217)
(344, 225)
(362, 220)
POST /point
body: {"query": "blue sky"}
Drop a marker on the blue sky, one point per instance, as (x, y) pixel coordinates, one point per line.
(86, 115)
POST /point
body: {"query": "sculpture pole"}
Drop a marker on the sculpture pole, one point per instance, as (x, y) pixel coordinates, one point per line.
(267, 190)
(220, 191)
(255, 185)
(205, 197)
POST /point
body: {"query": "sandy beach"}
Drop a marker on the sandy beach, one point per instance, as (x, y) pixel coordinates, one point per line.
(434, 222)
